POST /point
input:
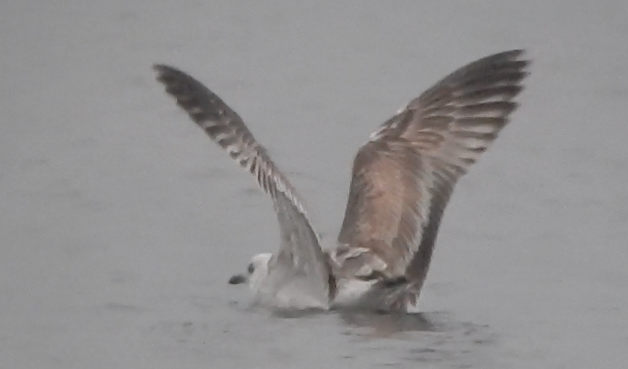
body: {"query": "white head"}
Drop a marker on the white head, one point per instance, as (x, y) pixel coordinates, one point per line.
(255, 272)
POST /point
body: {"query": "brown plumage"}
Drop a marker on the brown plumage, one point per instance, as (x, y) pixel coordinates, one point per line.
(401, 180)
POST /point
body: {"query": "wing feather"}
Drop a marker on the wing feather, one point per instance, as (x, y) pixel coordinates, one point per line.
(300, 246)
(403, 178)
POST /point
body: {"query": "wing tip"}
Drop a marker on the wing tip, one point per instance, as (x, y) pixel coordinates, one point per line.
(520, 55)
(169, 75)
(160, 68)
(165, 74)
(512, 54)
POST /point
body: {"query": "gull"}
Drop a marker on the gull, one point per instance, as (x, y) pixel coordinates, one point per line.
(401, 182)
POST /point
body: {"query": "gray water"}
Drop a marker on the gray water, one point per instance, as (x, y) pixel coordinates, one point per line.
(120, 222)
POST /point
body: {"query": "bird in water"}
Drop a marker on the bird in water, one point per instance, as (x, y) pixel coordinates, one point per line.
(401, 182)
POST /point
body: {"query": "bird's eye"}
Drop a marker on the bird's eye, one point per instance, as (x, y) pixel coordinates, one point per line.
(250, 268)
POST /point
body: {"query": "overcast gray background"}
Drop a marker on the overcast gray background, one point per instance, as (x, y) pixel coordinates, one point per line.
(120, 222)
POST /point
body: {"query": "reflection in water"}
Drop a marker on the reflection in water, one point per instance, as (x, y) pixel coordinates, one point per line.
(359, 338)
(434, 337)
(384, 325)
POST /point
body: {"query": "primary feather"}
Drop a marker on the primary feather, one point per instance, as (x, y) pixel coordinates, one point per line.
(402, 179)
(404, 176)
(300, 245)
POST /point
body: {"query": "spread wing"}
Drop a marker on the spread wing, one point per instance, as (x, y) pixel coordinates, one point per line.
(404, 176)
(300, 247)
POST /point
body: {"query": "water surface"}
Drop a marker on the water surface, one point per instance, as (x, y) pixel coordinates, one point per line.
(120, 222)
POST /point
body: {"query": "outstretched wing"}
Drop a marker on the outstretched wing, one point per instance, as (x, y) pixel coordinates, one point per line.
(404, 176)
(300, 247)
